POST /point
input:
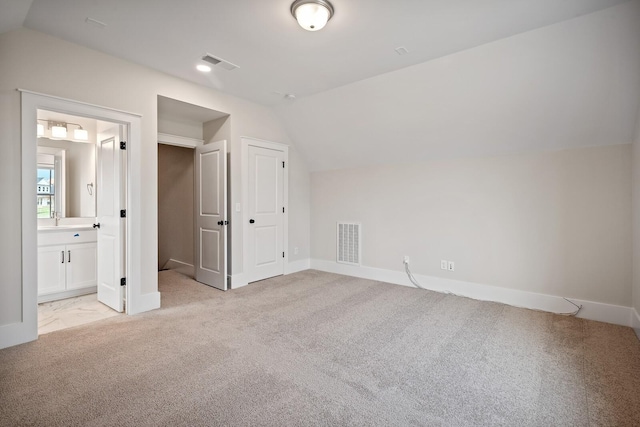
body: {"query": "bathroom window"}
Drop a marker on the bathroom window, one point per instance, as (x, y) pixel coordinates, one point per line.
(46, 184)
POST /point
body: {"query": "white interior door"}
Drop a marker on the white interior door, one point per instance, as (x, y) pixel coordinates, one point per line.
(110, 225)
(266, 213)
(210, 214)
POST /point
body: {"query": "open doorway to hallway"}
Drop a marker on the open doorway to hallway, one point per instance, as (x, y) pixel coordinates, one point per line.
(182, 127)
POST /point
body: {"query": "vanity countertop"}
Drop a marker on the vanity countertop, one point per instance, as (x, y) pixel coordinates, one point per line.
(74, 227)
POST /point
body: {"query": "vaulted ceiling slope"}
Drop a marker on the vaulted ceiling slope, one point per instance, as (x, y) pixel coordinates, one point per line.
(481, 77)
(569, 85)
(275, 55)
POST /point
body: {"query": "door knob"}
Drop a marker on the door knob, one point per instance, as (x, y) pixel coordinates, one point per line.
(251, 221)
(96, 225)
(220, 222)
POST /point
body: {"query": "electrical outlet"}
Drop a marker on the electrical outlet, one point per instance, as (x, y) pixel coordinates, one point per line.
(443, 264)
(452, 266)
(406, 259)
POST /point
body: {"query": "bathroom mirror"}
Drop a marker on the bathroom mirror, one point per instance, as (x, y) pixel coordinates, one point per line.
(66, 179)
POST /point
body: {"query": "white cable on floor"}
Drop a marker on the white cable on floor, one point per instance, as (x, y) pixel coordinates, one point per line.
(415, 282)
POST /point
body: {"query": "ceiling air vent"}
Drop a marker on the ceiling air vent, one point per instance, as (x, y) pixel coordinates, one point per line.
(219, 62)
(349, 238)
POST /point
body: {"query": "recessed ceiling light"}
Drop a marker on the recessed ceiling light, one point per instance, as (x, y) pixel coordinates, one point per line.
(203, 68)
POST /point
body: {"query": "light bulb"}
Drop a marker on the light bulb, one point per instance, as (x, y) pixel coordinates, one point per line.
(58, 131)
(80, 134)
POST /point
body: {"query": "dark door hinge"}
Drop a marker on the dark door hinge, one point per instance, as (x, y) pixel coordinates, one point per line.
(123, 281)
(123, 145)
(282, 164)
(283, 209)
(123, 213)
(282, 254)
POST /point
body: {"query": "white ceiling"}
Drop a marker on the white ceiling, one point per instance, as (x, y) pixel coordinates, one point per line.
(275, 55)
(482, 77)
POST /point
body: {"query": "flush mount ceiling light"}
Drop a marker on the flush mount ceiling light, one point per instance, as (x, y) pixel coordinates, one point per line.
(203, 68)
(312, 15)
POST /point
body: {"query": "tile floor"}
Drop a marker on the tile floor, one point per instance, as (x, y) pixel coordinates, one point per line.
(66, 313)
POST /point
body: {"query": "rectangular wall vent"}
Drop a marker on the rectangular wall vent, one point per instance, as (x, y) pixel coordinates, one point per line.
(349, 238)
(219, 62)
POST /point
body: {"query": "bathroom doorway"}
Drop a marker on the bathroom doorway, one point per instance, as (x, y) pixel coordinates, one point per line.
(121, 271)
(80, 177)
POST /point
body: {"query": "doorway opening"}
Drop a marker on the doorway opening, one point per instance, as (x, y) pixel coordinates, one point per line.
(184, 132)
(71, 251)
(68, 188)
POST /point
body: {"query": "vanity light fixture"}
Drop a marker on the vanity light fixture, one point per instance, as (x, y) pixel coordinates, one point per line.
(59, 130)
(312, 15)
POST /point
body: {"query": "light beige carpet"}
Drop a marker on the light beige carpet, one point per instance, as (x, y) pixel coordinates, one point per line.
(314, 348)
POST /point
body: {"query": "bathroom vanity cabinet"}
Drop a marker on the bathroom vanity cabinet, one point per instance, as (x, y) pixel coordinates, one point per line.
(67, 262)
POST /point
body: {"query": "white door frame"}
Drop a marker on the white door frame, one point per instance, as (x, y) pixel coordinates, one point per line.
(245, 143)
(27, 329)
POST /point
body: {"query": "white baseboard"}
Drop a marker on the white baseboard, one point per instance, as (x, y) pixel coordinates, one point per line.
(602, 312)
(296, 266)
(179, 266)
(18, 333)
(636, 322)
(67, 294)
(144, 302)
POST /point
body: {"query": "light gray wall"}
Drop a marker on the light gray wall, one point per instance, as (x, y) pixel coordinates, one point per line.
(104, 80)
(556, 223)
(636, 228)
(175, 204)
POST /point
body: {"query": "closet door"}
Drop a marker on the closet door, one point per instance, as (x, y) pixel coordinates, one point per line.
(266, 213)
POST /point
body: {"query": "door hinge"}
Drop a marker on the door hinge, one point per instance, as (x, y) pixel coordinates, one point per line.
(123, 281)
(283, 209)
(123, 213)
(282, 164)
(282, 254)
(123, 145)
